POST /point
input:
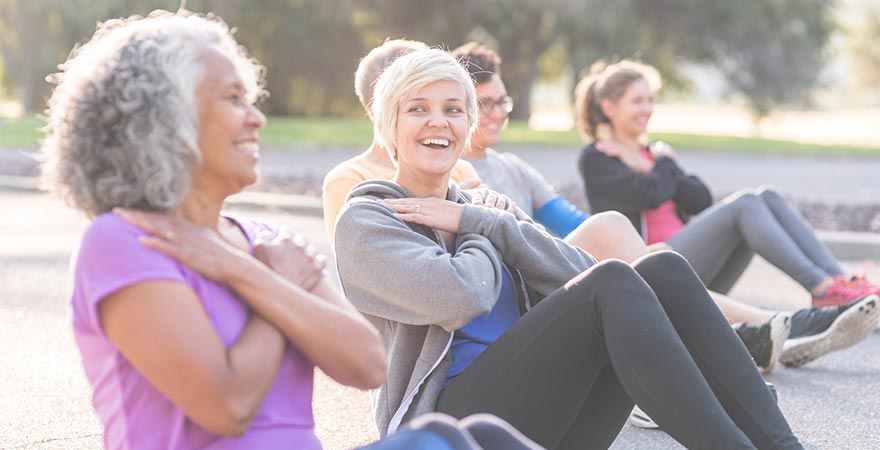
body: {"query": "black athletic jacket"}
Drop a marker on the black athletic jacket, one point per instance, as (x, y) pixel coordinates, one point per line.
(611, 185)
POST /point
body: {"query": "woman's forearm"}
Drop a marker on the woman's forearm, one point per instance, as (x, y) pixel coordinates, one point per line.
(252, 365)
(321, 324)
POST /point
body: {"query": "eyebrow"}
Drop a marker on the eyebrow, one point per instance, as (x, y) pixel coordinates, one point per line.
(422, 99)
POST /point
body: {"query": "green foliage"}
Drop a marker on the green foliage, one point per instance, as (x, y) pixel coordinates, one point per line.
(770, 50)
(312, 134)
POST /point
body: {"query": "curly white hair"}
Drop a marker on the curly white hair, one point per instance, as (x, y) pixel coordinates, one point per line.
(122, 128)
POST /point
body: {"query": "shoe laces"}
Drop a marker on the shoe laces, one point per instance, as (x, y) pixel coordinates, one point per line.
(847, 288)
(861, 275)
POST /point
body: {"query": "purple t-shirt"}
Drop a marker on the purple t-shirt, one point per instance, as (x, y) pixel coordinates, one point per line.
(134, 413)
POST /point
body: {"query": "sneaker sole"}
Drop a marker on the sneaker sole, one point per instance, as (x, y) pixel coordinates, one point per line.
(639, 419)
(851, 327)
(780, 325)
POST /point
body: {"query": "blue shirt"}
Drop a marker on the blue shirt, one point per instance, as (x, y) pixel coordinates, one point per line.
(470, 340)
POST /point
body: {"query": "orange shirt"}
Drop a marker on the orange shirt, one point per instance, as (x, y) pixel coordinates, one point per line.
(342, 178)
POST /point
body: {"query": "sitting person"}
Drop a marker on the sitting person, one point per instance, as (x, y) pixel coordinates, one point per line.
(198, 329)
(374, 161)
(482, 310)
(608, 234)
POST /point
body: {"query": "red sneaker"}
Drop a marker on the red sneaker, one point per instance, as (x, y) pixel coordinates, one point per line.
(843, 291)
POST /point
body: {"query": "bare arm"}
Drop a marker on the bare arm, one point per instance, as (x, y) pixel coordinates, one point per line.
(281, 287)
(162, 329)
(320, 322)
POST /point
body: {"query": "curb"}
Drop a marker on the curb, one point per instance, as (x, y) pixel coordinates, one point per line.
(300, 205)
(844, 245)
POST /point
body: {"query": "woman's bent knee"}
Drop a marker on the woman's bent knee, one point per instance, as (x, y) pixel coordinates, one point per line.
(767, 192)
(607, 270)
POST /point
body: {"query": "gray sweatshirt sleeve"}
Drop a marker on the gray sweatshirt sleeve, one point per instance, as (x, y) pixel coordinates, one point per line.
(545, 262)
(390, 271)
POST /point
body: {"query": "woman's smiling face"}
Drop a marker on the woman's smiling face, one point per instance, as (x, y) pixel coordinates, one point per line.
(432, 128)
(491, 96)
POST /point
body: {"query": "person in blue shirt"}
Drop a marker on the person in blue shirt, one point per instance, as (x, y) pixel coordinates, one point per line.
(606, 235)
(610, 234)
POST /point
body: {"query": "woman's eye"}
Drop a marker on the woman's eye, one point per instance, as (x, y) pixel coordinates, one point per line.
(417, 109)
(454, 110)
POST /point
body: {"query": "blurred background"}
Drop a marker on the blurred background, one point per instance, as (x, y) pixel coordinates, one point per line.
(791, 70)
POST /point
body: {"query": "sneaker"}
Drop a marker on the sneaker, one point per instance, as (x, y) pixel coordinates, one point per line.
(851, 326)
(639, 419)
(810, 321)
(844, 290)
(765, 342)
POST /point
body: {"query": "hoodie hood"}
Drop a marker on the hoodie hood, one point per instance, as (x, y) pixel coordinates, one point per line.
(375, 190)
(383, 189)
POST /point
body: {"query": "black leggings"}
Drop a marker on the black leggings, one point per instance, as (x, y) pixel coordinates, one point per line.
(566, 374)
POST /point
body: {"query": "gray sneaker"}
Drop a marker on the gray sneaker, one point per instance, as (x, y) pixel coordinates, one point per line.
(849, 328)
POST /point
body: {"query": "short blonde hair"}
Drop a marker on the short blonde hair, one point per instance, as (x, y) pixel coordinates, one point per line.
(123, 128)
(407, 75)
(372, 65)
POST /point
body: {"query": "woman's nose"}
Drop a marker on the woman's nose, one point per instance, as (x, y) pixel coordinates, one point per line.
(438, 121)
(256, 118)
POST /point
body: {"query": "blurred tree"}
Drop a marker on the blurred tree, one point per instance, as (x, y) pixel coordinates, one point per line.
(771, 51)
(310, 49)
(864, 45)
(24, 49)
(40, 35)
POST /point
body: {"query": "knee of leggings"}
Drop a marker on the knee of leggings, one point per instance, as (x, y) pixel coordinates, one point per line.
(746, 200)
(610, 269)
(665, 261)
(768, 191)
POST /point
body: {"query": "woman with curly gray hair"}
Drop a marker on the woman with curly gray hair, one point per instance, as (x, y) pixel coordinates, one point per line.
(197, 330)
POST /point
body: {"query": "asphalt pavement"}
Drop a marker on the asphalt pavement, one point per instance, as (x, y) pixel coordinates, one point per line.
(844, 179)
(831, 403)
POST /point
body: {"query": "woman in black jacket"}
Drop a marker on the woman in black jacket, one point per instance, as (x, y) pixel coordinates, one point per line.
(646, 183)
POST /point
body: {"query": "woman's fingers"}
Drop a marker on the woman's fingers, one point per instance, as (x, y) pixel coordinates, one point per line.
(406, 206)
(436, 213)
(293, 257)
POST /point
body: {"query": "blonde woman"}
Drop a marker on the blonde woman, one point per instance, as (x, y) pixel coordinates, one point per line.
(482, 310)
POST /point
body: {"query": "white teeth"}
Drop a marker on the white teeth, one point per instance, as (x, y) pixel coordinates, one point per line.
(250, 147)
(442, 142)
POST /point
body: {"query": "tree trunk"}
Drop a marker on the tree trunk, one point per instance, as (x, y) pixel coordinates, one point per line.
(31, 29)
(520, 63)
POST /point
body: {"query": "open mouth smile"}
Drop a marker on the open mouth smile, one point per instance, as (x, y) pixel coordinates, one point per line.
(435, 143)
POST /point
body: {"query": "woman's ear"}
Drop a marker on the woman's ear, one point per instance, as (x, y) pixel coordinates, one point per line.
(608, 108)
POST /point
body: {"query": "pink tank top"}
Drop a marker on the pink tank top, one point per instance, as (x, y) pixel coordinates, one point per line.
(661, 222)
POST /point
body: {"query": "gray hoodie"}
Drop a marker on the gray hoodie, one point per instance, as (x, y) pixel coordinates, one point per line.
(416, 292)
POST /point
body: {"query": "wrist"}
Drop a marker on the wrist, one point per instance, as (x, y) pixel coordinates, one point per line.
(239, 269)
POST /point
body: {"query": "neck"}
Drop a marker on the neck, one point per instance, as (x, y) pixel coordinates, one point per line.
(201, 208)
(422, 185)
(628, 141)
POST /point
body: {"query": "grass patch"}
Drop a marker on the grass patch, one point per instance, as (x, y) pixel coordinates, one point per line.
(21, 133)
(294, 133)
